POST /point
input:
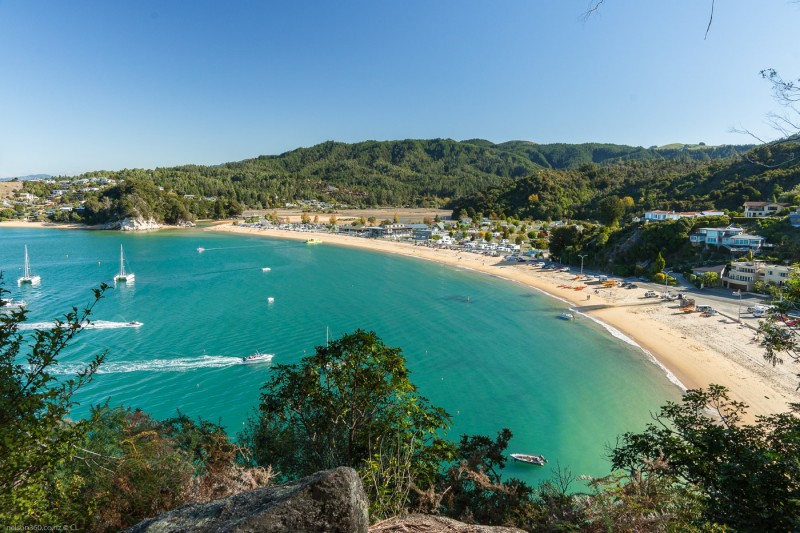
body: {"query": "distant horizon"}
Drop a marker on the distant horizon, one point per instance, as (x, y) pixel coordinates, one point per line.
(46, 175)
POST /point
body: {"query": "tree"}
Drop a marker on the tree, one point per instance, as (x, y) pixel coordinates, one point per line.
(611, 210)
(659, 263)
(34, 432)
(710, 279)
(350, 404)
(747, 475)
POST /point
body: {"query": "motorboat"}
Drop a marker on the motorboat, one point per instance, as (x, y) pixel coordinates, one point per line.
(27, 277)
(11, 304)
(313, 241)
(537, 460)
(567, 316)
(265, 269)
(258, 357)
(134, 324)
(200, 250)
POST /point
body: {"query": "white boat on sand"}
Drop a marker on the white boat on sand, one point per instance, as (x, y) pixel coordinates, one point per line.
(27, 277)
(123, 276)
(258, 357)
(537, 460)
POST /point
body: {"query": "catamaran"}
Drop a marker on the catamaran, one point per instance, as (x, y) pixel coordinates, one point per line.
(123, 276)
(27, 277)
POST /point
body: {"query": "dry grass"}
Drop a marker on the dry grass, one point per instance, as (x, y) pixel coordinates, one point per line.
(7, 188)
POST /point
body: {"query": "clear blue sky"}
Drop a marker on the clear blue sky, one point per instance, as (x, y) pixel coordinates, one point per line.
(90, 85)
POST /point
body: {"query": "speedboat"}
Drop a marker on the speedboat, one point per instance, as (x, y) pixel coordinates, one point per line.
(567, 316)
(134, 324)
(313, 241)
(265, 269)
(11, 304)
(258, 358)
(200, 250)
(537, 460)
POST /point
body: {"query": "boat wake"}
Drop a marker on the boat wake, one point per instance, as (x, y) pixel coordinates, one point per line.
(95, 324)
(181, 364)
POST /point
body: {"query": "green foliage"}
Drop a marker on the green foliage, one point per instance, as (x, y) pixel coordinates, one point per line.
(582, 190)
(659, 264)
(131, 467)
(350, 404)
(611, 210)
(472, 488)
(140, 197)
(747, 475)
(34, 434)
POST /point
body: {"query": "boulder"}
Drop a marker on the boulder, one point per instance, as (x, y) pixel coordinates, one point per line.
(435, 524)
(328, 501)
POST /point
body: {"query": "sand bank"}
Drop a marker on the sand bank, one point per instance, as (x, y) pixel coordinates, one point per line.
(694, 350)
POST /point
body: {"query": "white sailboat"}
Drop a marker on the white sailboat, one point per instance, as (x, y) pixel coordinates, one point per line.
(123, 276)
(27, 277)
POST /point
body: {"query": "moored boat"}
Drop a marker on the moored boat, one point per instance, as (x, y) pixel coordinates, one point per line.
(313, 241)
(567, 316)
(258, 357)
(27, 277)
(537, 460)
(123, 276)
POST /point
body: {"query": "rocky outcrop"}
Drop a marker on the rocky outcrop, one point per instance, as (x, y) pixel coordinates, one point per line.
(133, 224)
(332, 500)
(435, 524)
(138, 224)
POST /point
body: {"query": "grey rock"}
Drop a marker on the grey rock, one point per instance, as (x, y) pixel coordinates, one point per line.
(328, 501)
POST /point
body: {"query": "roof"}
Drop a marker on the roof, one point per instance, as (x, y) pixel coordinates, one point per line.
(762, 204)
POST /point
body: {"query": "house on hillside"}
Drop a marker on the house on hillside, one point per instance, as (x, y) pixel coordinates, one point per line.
(762, 209)
(733, 238)
(794, 219)
(658, 216)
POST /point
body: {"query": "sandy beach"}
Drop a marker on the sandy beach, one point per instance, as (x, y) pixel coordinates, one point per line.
(693, 350)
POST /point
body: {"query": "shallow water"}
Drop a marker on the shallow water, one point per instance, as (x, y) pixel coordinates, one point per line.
(491, 352)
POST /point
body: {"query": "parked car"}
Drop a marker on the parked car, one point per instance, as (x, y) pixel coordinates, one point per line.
(650, 294)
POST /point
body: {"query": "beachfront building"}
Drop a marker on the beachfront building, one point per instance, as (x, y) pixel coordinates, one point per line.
(659, 216)
(743, 275)
(762, 209)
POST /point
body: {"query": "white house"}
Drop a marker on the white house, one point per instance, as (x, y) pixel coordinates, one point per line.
(762, 209)
(658, 216)
(731, 237)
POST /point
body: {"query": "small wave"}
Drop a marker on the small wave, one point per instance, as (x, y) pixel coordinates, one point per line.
(181, 364)
(95, 324)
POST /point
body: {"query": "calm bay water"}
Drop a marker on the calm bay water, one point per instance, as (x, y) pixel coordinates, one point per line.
(491, 352)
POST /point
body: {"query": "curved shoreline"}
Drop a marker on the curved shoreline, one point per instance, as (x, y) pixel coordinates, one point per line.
(693, 351)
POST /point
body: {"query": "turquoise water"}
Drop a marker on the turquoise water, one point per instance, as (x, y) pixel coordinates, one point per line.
(491, 352)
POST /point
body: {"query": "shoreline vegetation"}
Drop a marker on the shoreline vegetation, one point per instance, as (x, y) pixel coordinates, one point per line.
(695, 351)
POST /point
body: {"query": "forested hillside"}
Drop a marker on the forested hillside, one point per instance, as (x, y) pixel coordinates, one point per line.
(396, 173)
(650, 184)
